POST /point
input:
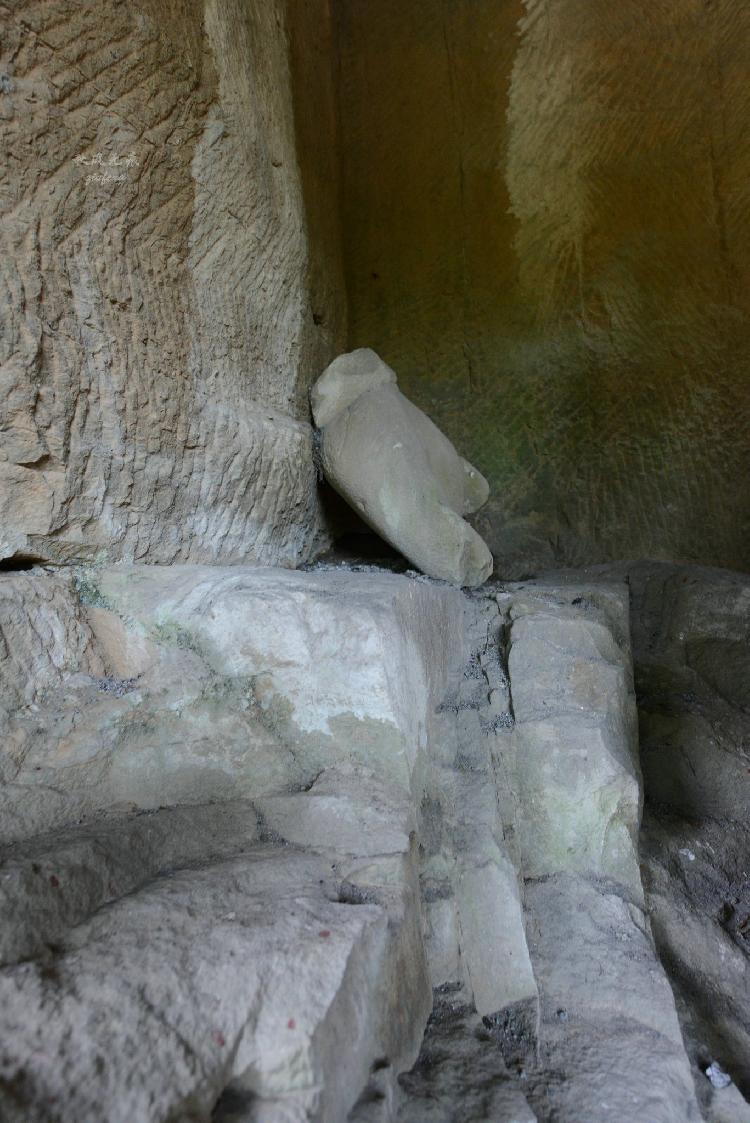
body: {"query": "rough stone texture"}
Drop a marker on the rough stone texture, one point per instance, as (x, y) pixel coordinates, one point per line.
(265, 959)
(390, 813)
(161, 329)
(583, 1008)
(57, 880)
(609, 1026)
(136, 687)
(398, 471)
(461, 1076)
(691, 650)
(545, 210)
(251, 974)
(606, 1007)
(698, 890)
(575, 754)
(470, 884)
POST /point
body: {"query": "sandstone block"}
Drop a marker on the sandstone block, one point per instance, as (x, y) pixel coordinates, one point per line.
(157, 313)
(251, 974)
(137, 687)
(492, 936)
(608, 1013)
(575, 737)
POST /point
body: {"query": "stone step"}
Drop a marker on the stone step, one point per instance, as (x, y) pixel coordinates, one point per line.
(138, 687)
(254, 972)
(55, 881)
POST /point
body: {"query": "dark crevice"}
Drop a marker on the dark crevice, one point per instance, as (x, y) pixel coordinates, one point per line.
(20, 562)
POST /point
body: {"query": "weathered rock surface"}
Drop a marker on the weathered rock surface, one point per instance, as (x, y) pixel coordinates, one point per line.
(399, 472)
(268, 955)
(575, 752)
(471, 886)
(692, 658)
(696, 879)
(690, 651)
(608, 1012)
(246, 972)
(545, 753)
(56, 880)
(135, 687)
(461, 1076)
(141, 677)
(161, 316)
(390, 817)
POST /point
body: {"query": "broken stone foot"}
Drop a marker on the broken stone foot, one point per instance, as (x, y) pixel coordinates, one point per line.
(398, 471)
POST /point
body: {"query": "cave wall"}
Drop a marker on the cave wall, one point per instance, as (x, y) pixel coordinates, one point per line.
(546, 215)
(170, 276)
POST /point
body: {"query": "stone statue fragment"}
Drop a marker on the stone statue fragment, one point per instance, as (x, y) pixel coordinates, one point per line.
(398, 471)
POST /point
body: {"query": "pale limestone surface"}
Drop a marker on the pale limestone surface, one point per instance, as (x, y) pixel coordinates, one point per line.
(576, 756)
(471, 883)
(398, 471)
(342, 870)
(690, 647)
(136, 687)
(561, 945)
(271, 951)
(607, 1008)
(251, 972)
(53, 882)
